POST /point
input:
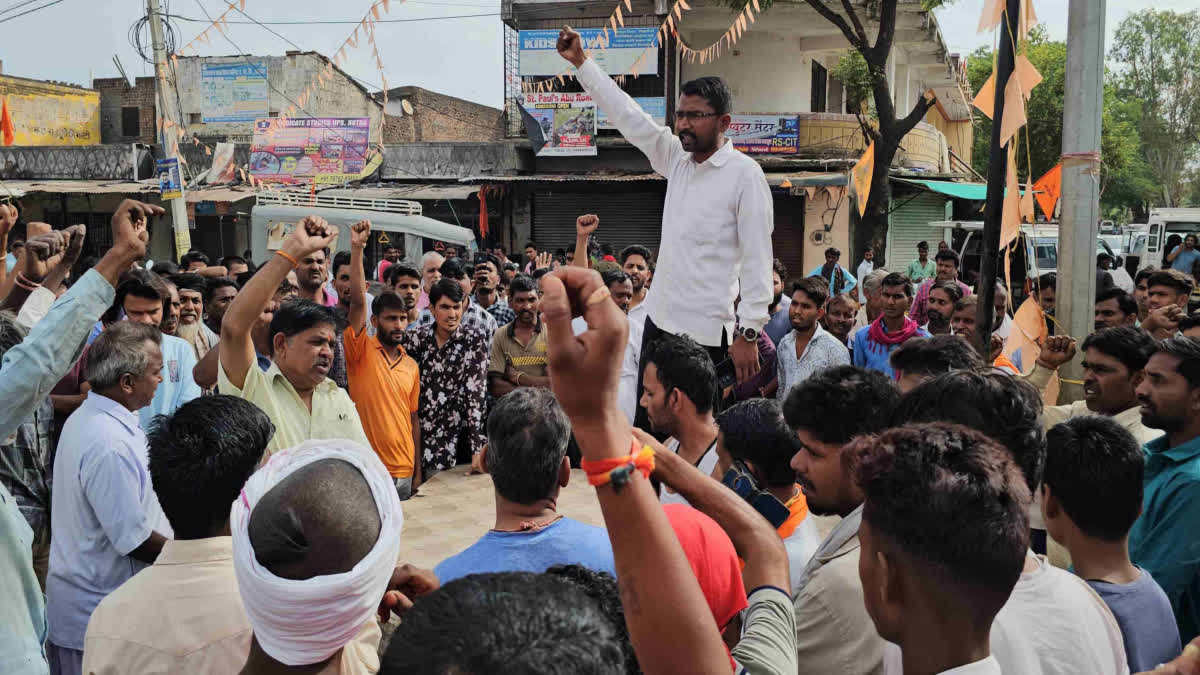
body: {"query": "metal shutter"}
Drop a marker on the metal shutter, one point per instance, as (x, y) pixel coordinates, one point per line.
(909, 225)
(787, 239)
(625, 218)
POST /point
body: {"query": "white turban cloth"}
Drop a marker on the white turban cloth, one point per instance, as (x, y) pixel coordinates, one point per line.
(304, 621)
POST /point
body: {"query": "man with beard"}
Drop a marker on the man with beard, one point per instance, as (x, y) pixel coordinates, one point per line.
(962, 324)
(873, 345)
(171, 306)
(947, 270)
(191, 313)
(839, 317)
(807, 348)
(391, 256)
(218, 293)
(431, 272)
(310, 277)
(942, 297)
(295, 392)
(834, 633)
(1167, 299)
(384, 383)
(1163, 540)
(518, 356)
(635, 262)
(780, 324)
(839, 278)
(1114, 308)
(717, 218)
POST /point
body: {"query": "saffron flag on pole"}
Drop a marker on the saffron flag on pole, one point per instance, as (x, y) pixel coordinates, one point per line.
(6, 124)
(1048, 188)
(861, 177)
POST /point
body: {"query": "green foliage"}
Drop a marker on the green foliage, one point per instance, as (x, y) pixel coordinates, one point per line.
(855, 75)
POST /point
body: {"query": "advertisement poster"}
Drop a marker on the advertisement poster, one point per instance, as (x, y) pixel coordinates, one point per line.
(234, 91)
(316, 149)
(170, 182)
(224, 170)
(655, 106)
(539, 56)
(568, 122)
(765, 134)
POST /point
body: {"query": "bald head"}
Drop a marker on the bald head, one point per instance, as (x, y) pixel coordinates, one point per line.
(320, 520)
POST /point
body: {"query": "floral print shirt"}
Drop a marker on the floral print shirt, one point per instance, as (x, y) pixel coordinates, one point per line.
(453, 391)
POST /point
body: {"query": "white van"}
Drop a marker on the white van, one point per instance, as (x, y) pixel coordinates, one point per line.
(1164, 226)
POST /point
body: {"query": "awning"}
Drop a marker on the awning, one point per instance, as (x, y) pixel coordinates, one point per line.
(806, 179)
(973, 191)
(565, 178)
(218, 194)
(404, 191)
(383, 221)
(20, 188)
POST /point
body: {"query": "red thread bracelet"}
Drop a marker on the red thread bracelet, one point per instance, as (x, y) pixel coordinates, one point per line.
(618, 470)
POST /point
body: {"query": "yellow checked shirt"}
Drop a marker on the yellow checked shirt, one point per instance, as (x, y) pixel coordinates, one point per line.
(529, 359)
(333, 413)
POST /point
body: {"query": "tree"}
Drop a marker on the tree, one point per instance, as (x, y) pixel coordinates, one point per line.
(888, 129)
(1158, 54)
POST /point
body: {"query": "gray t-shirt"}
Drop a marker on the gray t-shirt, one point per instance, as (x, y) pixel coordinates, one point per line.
(1146, 620)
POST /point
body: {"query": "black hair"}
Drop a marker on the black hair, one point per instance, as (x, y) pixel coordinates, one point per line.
(935, 355)
(297, 315)
(387, 300)
(1047, 280)
(1189, 322)
(816, 288)
(602, 588)
(397, 270)
(1174, 279)
(950, 288)
(898, 279)
(188, 281)
(1144, 273)
(511, 267)
(840, 403)
(530, 244)
(527, 439)
(201, 456)
(755, 431)
(232, 259)
(538, 274)
(617, 276)
(522, 283)
(947, 254)
(711, 89)
(140, 284)
(1125, 301)
(1004, 408)
(1101, 257)
(1094, 468)
(507, 622)
(779, 268)
(684, 365)
(216, 283)
(165, 268)
(923, 245)
(833, 251)
(953, 502)
(340, 258)
(445, 288)
(1131, 346)
(454, 269)
(192, 256)
(636, 249)
(1187, 350)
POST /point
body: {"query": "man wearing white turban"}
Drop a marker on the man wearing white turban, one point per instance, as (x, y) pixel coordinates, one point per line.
(316, 535)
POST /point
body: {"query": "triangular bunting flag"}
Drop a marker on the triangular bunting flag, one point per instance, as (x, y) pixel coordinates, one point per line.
(1010, 218)
(678, 12)
(860, 177)
(749, 14)
(985, 100)
(683, 4)
(628, 5)
(375, 11)
(756, 6)
(1014, 111)
(993, 13)
(620, 19)
(1047, 188)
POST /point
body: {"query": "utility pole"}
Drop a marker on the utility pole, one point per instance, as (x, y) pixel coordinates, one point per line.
(1079, 222)
(170, 139)
(993, 211)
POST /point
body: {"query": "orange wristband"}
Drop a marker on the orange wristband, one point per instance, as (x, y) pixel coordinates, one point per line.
(285, 256)
(619, 470)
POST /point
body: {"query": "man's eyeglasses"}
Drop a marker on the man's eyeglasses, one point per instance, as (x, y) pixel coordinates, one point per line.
(693, 115)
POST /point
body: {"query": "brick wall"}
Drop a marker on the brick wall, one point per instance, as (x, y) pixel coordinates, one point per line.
(115, 94)
(437, 117)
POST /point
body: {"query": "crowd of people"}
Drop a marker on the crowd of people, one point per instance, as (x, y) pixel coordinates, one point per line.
(204, 467)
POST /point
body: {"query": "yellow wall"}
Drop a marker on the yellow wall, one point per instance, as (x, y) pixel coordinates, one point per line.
(44, 113)
(960, 135)
(816, 215)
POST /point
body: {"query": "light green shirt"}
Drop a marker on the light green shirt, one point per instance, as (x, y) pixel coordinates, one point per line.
(333, 413)
(918, 272)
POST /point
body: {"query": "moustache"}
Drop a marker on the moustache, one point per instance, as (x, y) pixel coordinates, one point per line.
(804, 483)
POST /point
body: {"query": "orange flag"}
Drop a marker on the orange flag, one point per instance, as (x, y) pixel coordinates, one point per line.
(6, 124)
(1024, 343)
(1048, 188)
(483, 215)
(860, 175)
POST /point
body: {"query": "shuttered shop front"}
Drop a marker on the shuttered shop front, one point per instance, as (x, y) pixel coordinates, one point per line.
(909, 225)
(625, 218)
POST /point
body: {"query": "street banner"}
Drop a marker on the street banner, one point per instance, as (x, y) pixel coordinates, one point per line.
(310, 149)
(655, 106)
(234, 91)
(539, 55)
(224, 170)
(568, 123)
(170, 182)
(764, 134)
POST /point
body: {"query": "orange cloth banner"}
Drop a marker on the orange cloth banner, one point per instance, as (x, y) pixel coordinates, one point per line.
(1048, 188)
(861, 177)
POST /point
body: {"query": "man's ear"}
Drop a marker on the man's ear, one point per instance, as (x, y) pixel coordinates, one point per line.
(564, 472)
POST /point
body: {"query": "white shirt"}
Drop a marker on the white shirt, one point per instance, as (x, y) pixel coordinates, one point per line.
(100, 512)
(1052, 624)
(708, 462)
(716, 225)
(864, 268)
(627, 391)
(1121, 279)
(1005, 327)
(988, 666)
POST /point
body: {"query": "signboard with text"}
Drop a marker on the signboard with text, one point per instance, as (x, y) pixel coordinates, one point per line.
(568, 123)
(765, 134)
(234, 92)
(655, 106)
(170, 182)
(316, 149)
(539, 55)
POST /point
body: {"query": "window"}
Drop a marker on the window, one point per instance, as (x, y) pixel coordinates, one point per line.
(130, 121)
(195, 118)
(819, 87)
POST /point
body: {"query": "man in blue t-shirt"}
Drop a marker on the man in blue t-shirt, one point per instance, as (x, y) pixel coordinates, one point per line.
(1185, 256)
(526, 458)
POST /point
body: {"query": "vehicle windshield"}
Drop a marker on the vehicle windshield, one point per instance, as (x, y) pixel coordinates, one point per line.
(1114, 244)
(1046, 252)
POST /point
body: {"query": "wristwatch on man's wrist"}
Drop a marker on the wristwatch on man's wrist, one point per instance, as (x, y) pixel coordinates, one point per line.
(747, 334)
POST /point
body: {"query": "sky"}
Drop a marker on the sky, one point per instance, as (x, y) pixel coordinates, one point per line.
(460, 57)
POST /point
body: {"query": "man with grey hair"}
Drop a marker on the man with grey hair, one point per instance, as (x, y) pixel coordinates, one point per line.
(871, 309)
(431, 273)
(103, 508)
(526, 456)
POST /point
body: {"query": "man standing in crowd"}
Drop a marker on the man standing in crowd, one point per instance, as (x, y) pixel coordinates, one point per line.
(920, 359)
(942, 297)
(518, 350)
(104, 512)
(384, 382)
(192, 329)
(391, 256)
(635, 261)
(531, 255)
(342, 284)
(183, 614)
(947, 270)
(807, 348)
(1141, 291)
(717, 199)
(405, 282)
(620, 289)
(1001, 322)
(864, 268)
(487, 291)
(1104, 279)
(452, 358)
(295, 392)
(839, 317)
(235, 265)
(780, 324)
(311, 274)
(526, 456)
(834, 633)
(1163, 540)
(431, 272)
(472, 315)
(962, 325)
(1167, 299)
(679, 386)
(1114, 308)
(218, 293)
(873, 345)
(837, 277)
(922, 268)
(1184, 257)
(171, 306)
(873, 307)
